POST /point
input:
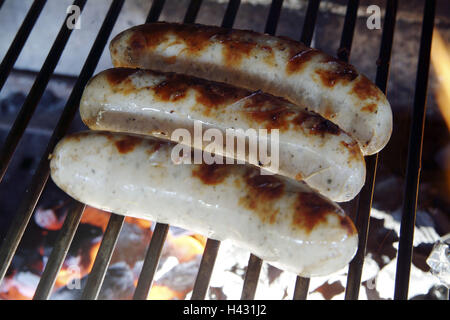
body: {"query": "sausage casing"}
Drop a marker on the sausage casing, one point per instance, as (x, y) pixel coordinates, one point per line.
(279, 66)
(146, 102)
(280, 221)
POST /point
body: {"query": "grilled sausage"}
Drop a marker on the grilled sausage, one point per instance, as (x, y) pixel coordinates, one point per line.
(311, 148)
(276, 65)
(280, 221)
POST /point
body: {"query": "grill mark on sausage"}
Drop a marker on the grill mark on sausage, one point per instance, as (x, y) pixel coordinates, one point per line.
(274, 113)
(262, 193)
(340, 71)
(365, 89)
(234, 50)
(371, 107)
(353, 150)
(127, 144)
(208, 94)
(149, 36)
(237, 44)
(310, 210)
(170, 60)
(325, 127)
(264, 109)
(329, 112)
(269, 57)
(298, 60)
(116, 76)
(211, 174)
(271, 116)
(346, 223)
(316, 124)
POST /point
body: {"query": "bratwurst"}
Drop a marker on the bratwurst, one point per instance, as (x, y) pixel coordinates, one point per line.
(283, 222)
(280, 66)
(308, 147)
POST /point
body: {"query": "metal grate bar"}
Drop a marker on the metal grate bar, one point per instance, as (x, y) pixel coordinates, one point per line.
(349, 28)
(414, 156)
(230, 13)
(212, 246)
(302, 284)
(301, 288)
(59, 252)
(38, 182)
(205, 271)
(151, 261)
(251, 278)
(364, 202)
(192, 11)
(159, 235)
(101, 263)
(310, 22)
(19, 40)
(255, 263)
(155, 11)
(36, 92)
(274, 16)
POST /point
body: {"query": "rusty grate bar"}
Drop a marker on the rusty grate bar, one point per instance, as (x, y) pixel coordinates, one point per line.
(302, 284)
(39, 180)
(301, 288)
(19, 224)
(151, 261)
(36, 92)
(414, 156)
(349, 29)
(255, 263)
(205, 271)
(19, 40)
(230, 13)
(192, 11)
(212, 246)
(310, 22)
(155, 11)
(274, 16)
(59, 252)
(364, 200)
(251, 278)
(160, 233)
(104, 254)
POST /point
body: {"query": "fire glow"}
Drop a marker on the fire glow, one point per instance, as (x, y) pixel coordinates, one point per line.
(182, 248)
(440, 59)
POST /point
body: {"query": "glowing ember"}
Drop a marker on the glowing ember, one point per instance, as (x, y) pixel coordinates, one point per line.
(186, 247)
(144, 224)
(96, 217)
(164, 293)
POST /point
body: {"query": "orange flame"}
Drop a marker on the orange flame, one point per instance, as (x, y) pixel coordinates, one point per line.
(186, 248)
(159, 292)
(440, 58)
(96, 217)
(144, 224)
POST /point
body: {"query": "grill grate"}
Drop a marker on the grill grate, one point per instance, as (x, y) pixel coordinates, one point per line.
(361, 205)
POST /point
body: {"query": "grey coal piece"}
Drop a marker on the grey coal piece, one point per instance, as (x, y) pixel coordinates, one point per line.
(118, 285)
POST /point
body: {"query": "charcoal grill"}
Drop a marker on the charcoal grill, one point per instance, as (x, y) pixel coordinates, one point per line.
(360, 206)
